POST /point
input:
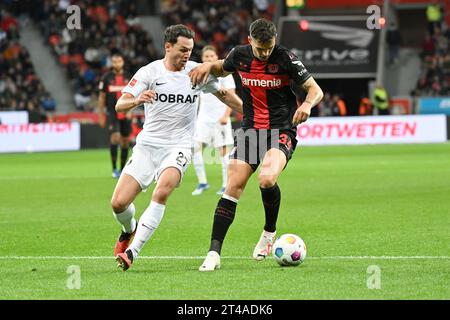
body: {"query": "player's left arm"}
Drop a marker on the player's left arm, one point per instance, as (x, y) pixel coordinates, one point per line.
(304, 80)
(224, 118)
(313, 97)
(230, 98)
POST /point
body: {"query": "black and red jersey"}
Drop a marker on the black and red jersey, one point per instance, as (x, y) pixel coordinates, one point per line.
(268, 100)
(112, 84)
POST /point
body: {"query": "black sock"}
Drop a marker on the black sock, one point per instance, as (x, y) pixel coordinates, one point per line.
(123, 157)
(113, 151)
(271, 199)
(223, 217)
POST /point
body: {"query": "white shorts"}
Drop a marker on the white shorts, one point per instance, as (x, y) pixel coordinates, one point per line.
(148, 162)
(214, 134)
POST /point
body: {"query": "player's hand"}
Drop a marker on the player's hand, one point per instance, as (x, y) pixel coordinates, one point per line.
(200, 74)
(302, 114)
(146, 97)
(101, 120)
(223, 120)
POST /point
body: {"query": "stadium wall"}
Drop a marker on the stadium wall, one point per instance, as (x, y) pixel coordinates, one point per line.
(93, 136)
(374, 130)
(434, 128)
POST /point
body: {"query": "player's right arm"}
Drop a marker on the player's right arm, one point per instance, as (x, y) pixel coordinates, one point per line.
(102, 101)
(136, 92)
(220, 68)
(200, 74)
(128, 102)
(101, 109)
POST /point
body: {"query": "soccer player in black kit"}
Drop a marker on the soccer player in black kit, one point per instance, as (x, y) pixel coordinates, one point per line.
(119, 123)
(269, 74)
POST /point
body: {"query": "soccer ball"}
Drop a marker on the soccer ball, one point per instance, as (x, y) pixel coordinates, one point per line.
(289, 250)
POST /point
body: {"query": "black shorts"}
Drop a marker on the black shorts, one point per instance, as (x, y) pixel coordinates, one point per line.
(251, 145)
(123, 126)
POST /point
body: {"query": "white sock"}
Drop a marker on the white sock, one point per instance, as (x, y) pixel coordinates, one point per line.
(126, 219)
(148, 223)
(225, 161)
(199, 166)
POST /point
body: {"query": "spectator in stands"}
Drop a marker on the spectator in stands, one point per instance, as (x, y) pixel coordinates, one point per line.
(365, 107)
(20, 88)
(223, 26)
(83, 97)
(338, 107)
(435, 71)
(34, 116)
(48, 103)
(441, 43)
(436, 87)
(325, 106)
(434, 17)
(393, 39)
(445, 64)
(380, 100)
(106, 24)
(428, 46)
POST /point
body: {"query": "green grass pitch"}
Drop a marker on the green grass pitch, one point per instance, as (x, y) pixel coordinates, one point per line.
(356, 207)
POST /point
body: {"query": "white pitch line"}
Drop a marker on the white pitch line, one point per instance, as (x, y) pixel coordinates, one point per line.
(225, 257)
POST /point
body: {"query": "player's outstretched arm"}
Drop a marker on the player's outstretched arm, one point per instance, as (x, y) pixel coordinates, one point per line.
(200, 74)
(313, 97)
(230, 98)
(128, 102)
(101, 109)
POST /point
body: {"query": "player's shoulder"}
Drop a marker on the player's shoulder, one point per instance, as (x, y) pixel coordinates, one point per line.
(241, 50)
(151, 69)
(153, 66)
(283, 53)
(107, 75)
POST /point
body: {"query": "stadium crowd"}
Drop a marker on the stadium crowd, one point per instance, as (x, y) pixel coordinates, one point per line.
(20, 87)
(434, 78)
(106, 25)
(221, 23)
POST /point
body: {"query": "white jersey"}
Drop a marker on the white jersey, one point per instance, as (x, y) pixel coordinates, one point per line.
(211, 108)
(170, 119)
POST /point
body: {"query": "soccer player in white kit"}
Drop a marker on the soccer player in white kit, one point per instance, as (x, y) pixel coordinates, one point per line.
(164, 147)
(213, 127)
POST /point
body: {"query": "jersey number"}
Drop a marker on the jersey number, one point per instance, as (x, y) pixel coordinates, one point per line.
(181, 159)
(284, 139)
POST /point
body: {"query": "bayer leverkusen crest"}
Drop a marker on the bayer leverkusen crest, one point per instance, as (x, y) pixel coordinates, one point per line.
(132, 82)
(273, 68)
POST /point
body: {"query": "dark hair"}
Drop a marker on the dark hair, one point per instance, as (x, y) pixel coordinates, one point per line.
(172, 33)
(263, 30)
(116, 53)
(208, 48)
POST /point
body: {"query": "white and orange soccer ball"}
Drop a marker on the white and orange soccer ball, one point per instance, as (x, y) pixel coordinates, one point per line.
(289, 250)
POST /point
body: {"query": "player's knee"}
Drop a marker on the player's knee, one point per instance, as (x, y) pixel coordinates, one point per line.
(234, 189)
(115, 139)
(119, 204)
(162, 193)
(267, 180)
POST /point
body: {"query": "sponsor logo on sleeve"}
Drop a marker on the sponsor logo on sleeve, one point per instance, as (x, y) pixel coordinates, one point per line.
(132, 83)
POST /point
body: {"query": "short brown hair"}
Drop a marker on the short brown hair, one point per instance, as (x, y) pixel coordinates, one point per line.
(262, 30)
(208, 48)
(172, 33)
